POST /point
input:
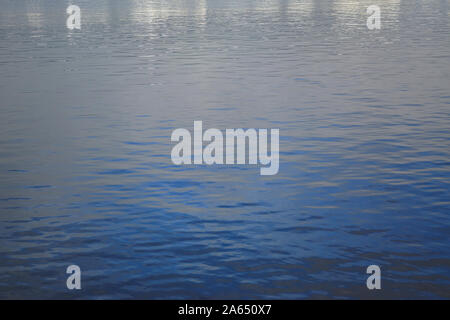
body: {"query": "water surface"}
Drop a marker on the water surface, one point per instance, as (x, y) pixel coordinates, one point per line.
(86, 176)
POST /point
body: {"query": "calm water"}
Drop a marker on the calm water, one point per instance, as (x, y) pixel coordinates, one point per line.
(86, 176)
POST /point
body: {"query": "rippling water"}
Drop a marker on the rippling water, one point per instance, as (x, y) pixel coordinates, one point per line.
(86, 176)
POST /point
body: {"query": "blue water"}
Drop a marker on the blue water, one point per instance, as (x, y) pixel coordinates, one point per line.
(86, 176)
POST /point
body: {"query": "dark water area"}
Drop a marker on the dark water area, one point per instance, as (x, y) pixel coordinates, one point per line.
(86, 176)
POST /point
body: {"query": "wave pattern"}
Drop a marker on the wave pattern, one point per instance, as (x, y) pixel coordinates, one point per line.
(85, 170)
